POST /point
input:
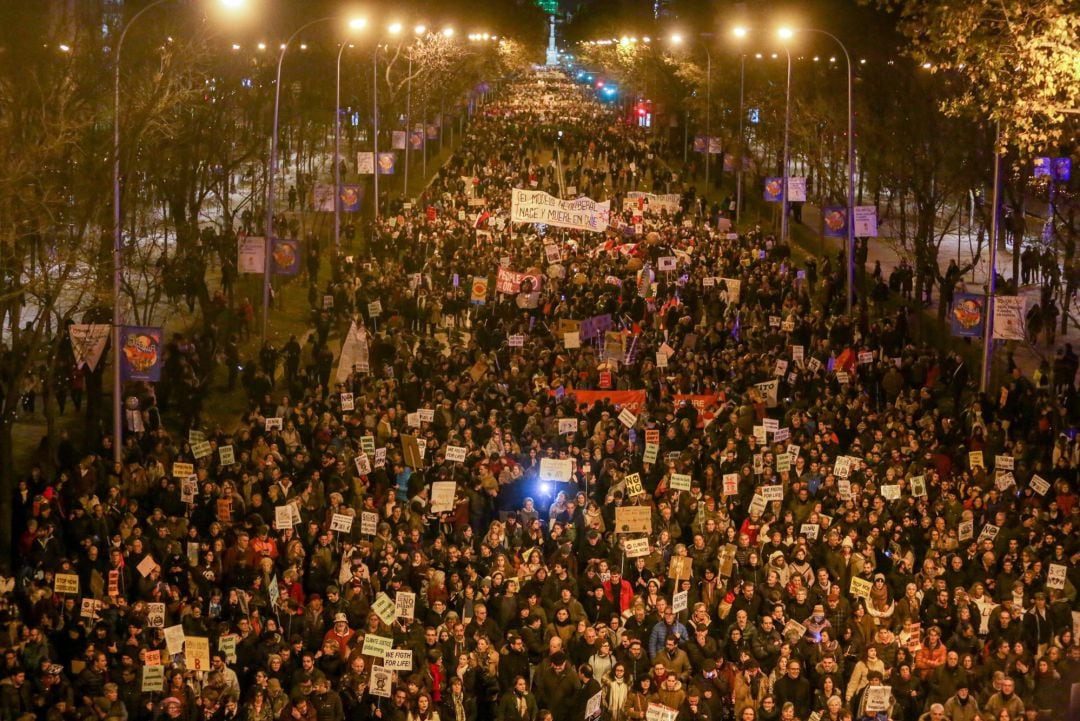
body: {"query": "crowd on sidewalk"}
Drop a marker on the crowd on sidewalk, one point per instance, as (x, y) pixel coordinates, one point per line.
(653, 472)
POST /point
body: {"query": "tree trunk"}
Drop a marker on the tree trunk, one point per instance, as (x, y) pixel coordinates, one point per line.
(7, 483)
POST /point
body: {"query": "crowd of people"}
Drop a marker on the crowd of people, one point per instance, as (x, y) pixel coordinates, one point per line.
(683, 485)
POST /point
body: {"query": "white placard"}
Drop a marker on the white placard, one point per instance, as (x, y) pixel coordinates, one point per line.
(385, 608)
(456, 454)
(636, 547)
(679, 601)
(398, 659)
(1004, 463)
(174, 639)
(679, 481)
(556, 469)
(283, 517)
(772, 493)
(369, 523)
(571, 340)
(442, 496)
(376, 646)
(865, 223)
(382, 683)
(348, 402)
(363, 465)
(567, 425)
(1040, 485)
(427, 415)
(1055, 576)
(341, 523)
(226, 455)
(627, 418)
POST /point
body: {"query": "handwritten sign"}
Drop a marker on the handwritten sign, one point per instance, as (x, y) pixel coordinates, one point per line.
(385, 608)
(405, 604)
(398, 660)
(860, 587)
(633, 485)
(66, 583)
(633, 519)
(341, 523)
(182, 470)
(376, 646)
(456, 454)
(680, 481)
(627, 418)
(226, 455)
(369, 523)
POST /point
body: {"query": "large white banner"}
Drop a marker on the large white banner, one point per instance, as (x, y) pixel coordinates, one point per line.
(656, 203)
(88, 343)
(354, 353)
(536, 206)
(1009, 317)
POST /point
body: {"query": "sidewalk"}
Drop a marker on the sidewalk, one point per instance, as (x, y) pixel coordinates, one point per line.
(889, 253)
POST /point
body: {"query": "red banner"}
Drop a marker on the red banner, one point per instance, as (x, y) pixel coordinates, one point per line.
(509, 281)
(705, 405)
(634, 400)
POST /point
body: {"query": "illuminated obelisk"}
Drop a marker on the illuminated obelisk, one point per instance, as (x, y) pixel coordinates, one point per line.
(552, 51)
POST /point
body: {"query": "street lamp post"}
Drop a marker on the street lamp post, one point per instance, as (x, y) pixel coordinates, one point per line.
(784, 174)
(118, 241)
(851, 167)
(375, 121)
(991, 283)
(268, 240)
(355, 24)
(742, 141)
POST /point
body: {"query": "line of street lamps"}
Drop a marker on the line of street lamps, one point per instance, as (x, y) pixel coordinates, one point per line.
(784, 34)
(354, 24)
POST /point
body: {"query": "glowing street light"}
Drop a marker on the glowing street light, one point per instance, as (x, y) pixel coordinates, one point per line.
(394, 28)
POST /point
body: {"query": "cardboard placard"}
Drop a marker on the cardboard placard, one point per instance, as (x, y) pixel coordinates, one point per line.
(860, 587)
(627, 418)
(633, 485)
(182, 470)
(155, 615)
(411, 450)
(633, 519)
(66, 583)
(442, 496)
(197, 653)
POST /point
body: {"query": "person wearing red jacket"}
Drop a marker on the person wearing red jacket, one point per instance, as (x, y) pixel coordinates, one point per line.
(618, 591)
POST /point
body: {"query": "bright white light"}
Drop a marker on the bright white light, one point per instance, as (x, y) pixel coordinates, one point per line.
(739, 32)
(785, 33)
(232, 4)
(303, 46)
(65, 48)
(420, 29)
(448, 32)
(262, 46)
(545, 488)
(394, 28)
(358, 23)
(236, 46)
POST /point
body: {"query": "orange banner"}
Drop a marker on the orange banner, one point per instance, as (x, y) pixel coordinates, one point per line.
(634, 400)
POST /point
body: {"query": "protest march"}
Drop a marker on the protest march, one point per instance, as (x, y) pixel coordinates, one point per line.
(562, 443)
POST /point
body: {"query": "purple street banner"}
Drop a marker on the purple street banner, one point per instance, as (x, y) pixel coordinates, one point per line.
(967, 315)
(593, 327)
(397, 139)
(349, 197)
(700, 143)
(834, 222)
(387, 161)
(1061, 169)
(285, 254)
(1057, 169)
(140, 357)
(416, 139)
(774, 189)
(714, 145)
(432, 131)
